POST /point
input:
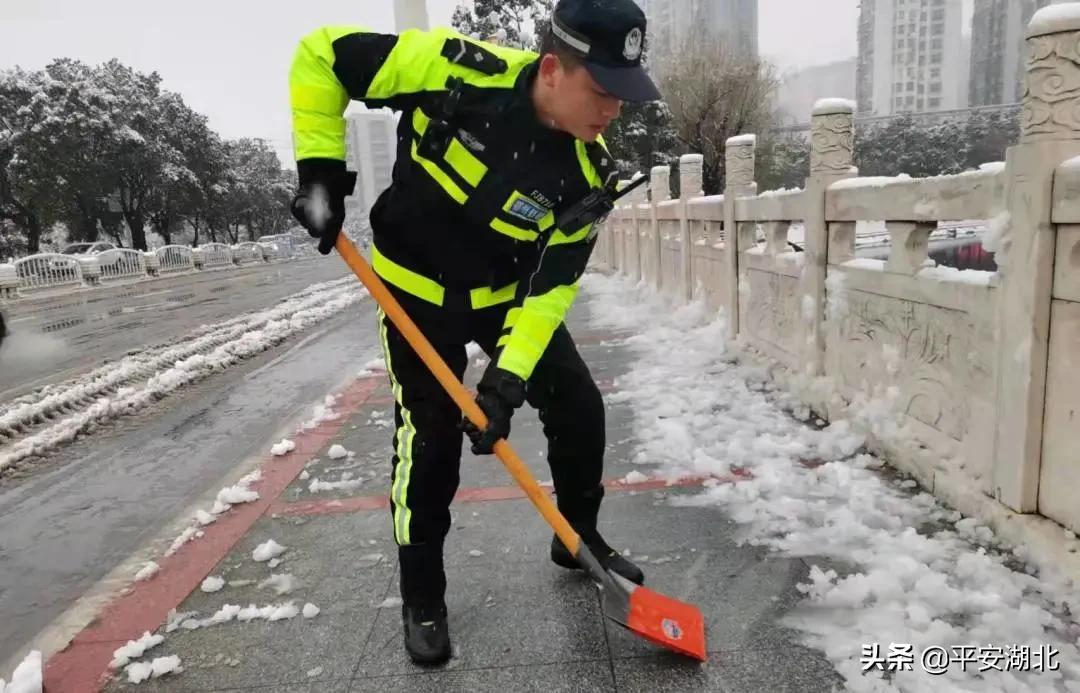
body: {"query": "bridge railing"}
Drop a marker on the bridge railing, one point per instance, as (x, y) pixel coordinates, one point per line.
(980, 371)
(48, 271)
(121, 264)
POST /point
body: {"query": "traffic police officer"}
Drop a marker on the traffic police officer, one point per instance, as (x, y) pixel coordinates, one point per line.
(481, 238)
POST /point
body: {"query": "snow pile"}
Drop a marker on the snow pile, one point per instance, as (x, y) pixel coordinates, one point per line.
(135, 649)
(137, 381)
(950, 585)
(141, 671)
(281, 583)
(337, 452)
(226, 498)
(323, 412)
(1055, 18)
(26, 677)
(952, 274)
(997, 237)
(317, 486)
(310, 610)
(149, 570)
(283, 448)
(634, 477)
(212, 584)
(829, 106)
(267, 550)
(234, 612)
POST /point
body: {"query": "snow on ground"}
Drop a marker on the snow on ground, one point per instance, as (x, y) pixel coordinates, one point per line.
(137, 381)
(267, 550)
(226, 498)
(920, 574)
(26, 677)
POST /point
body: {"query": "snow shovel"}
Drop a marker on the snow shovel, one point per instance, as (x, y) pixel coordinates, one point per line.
(660, 619)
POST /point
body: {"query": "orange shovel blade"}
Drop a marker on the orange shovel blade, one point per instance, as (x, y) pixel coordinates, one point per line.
(667, 622)
(658, 618)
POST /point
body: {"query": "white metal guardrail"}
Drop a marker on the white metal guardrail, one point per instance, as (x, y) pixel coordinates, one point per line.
(47, 271)
(121, 264)
(175, 258)
(57, 271)
(211, 255)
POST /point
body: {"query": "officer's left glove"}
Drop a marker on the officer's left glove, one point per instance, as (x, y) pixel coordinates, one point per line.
(319, 204)
(498, 394)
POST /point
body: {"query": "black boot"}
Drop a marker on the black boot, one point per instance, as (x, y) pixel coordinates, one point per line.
(423, 609)
(608, 557)
(427, 637)
(581, 512)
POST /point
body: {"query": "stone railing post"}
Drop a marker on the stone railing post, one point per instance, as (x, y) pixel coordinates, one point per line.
(690, 186)
(738, 181)
(1050, 134)
(640, 196)
(833, 136)
(660, 190)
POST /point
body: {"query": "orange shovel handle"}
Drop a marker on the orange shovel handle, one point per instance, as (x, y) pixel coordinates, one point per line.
(455, 389)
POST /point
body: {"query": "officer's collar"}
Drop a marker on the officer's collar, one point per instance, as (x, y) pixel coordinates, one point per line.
(524, 108)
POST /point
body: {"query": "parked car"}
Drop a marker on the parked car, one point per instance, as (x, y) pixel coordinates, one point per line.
(96, 249)
(87, 248)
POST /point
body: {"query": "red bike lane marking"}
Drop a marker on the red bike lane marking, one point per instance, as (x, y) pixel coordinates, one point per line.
(354, 504)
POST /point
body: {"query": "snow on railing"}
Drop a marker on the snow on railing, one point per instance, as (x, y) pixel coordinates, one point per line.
(278, 247)
(121, 263)
(249, 251)
(212, 255)
(175, 258)
(47, 271)
(9, 281)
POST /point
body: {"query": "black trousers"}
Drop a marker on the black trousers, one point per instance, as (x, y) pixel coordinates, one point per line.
(428, 442)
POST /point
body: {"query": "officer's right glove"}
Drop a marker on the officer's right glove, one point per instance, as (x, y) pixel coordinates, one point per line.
(319, 204)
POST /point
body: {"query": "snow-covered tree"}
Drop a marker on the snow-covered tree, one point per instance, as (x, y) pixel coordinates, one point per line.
(106, 150)
(521, 20)
(28, 188)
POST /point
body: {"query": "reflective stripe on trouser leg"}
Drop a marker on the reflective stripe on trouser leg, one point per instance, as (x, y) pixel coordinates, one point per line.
(404, 437)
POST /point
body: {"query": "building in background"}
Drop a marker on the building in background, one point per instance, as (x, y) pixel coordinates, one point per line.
(997, 49)
(911, 56)
(371, 149)
(672, 22)
(799, 89)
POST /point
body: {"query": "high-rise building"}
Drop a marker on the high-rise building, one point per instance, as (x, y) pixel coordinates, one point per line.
(371, 149)
(997, 50)
(800, 89)
(910, 56)
(672, 23)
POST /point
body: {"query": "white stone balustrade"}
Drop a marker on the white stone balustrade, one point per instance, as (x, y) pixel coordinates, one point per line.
(980, 369)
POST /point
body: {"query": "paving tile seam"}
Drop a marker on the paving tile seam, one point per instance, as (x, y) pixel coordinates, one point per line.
(371, 630)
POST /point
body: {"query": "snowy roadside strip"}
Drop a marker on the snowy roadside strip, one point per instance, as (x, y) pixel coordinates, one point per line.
(916, 572)
(139, 380)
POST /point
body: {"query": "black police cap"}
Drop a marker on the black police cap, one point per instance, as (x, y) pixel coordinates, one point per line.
(609, 35)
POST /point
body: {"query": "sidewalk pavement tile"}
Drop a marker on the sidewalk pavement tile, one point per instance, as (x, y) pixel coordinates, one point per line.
(503, 616)
(568, 677)
(793, 669)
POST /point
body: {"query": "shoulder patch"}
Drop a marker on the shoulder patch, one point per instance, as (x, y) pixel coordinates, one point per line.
(601, 160)
(473, 56)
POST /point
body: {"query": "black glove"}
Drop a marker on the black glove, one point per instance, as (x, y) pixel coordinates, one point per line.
(319, 204)
(499, 393)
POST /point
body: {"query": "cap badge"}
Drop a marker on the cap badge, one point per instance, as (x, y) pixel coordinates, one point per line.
(632, 48)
